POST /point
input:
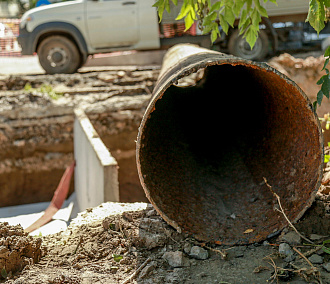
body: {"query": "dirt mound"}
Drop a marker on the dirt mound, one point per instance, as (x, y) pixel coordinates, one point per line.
(305, 73)
(130, 243)
(17, 249)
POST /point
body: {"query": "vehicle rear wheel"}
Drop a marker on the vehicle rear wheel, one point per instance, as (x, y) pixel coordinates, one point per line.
(58, 54)
(238, 46)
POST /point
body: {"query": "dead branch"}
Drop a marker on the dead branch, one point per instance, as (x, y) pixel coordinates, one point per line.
(222, 253)
(282, 211)
(137, 271)
(316, 272)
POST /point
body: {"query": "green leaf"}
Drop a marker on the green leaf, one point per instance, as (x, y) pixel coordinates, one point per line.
(229, 16)
(325, 63)
(260, 9)
(160, 5)
(321, 80)
(327, 52)
(212, 16)
(251, 35)
(216, 6)
(248, 5)
(184, 10)
(27, 87)
(315, 105)
(243, 19)
(316, 15)
(223, 23)
(175, 2)
(255, 17)
(214, 34)
(326, 86)
(245, 26)
(209, 28)
(238, 7)
(117, 257)
(326, 160)
(188, 21)
(319, 97)
(167, 6)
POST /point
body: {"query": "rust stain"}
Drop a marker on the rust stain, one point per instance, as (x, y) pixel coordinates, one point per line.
(205, 149)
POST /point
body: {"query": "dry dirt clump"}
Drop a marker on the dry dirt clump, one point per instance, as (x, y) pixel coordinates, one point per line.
(17, 249)
(305, 73)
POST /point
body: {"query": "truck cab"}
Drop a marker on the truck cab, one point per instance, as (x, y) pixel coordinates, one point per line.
(64, 34)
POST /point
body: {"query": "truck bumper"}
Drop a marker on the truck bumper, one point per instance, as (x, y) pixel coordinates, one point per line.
(25, 40)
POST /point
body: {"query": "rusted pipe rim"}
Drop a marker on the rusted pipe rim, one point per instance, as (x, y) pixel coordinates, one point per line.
(296, 180)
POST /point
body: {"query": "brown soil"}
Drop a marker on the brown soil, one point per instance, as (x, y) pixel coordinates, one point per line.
(101, 246)
(17, 249)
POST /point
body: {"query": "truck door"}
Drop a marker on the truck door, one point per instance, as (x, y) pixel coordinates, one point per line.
(112, 23)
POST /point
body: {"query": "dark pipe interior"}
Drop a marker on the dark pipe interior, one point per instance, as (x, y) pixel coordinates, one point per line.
(206, 148)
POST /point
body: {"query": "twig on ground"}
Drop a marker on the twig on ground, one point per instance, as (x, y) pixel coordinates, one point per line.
(221, 252)
(79, 243)
(273, 264)
(312, 251)
(260, 268)
(136, 272)
(316, 272)
(282, 211)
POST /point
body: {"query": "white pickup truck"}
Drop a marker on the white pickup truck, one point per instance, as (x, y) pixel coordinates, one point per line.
(65, 34)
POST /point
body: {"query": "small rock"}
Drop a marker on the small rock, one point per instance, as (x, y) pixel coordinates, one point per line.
(290, 257)
(152, 212)
(187, 248)
(113, 269)
(145, 271)
(176, 259)
(326, 266)
(315, 237)
(316, 259)
(121, 73)
(239, 251)
(285, 249)
(292, 238)
(199, 253)
(266, 243)
(151, 240)
(202, 275)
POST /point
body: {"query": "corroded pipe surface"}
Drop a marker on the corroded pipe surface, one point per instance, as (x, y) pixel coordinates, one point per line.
(203, 150)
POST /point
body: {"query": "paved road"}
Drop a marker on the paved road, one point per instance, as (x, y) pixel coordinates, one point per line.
(20, 65)
(30, 64)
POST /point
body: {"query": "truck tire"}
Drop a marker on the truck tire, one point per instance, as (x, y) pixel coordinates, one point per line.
(58, 54)
(239, 47)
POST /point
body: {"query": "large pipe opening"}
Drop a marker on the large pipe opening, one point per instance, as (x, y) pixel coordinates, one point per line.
(205, 149)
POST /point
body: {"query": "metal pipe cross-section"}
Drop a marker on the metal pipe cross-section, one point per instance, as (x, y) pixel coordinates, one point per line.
(203, 149)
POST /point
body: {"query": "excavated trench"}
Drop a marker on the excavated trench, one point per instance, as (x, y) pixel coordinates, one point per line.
(36, 131)
(36, 128)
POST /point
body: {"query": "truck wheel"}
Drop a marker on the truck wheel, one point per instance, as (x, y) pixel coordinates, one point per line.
(58, 54)
(238, 46)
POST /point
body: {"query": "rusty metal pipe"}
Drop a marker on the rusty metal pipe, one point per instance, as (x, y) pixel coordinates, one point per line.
(203, 150)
